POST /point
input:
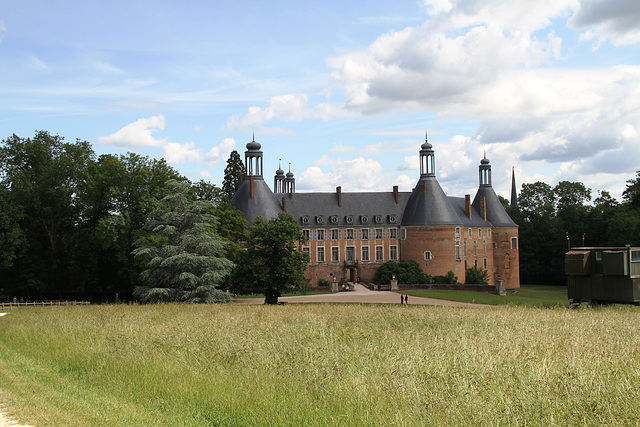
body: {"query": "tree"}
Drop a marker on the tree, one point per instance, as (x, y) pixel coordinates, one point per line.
(631, 195)
(183, 260)
(272, 262)
(11, 235)
(233, 174)
(45, 176)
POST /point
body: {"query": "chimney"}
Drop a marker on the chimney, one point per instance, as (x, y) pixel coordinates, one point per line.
(339, 192)
(251, 186)
(395, 194)
(467, 205)
(284, 204)
(423, 189)
(483, 207)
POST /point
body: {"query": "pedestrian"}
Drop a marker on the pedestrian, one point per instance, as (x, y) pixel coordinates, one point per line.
(401, 299)
(406, 299)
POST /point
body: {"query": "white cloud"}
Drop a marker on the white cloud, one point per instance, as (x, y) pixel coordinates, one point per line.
(140, 134)
(352, 175)
(220, 153)
(137, 134)
(288, 107)
(614, 20)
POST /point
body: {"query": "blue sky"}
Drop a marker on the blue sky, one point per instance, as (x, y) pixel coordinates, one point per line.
(341, 91)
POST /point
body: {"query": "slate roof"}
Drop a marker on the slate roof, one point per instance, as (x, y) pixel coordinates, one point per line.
(496, 214)
(430, 208)
(264, 202)
(363, 209)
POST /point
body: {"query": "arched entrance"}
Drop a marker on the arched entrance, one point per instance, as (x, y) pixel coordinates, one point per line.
(351, 273)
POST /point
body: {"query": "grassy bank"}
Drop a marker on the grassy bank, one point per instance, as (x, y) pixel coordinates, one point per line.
(319, 365)
(526, 296)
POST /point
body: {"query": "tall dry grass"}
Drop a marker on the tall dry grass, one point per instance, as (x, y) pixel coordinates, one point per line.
(320, 365)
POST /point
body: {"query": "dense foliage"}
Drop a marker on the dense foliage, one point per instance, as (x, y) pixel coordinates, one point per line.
(272, 263)
(406, 272)
(183, 261)
(553, 219)
(476, 276)
(68, 219)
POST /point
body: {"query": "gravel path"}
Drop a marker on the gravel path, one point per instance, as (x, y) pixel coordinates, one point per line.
(361, 295)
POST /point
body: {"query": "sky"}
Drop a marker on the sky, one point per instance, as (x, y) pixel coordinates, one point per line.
(340, 93)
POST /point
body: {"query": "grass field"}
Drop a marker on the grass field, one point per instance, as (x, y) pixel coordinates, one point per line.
(361, 365)
(526, 296)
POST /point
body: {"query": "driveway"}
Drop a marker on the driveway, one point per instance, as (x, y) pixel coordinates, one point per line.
(361, 295)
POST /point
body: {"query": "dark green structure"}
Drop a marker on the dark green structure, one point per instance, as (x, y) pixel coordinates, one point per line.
(603, 274)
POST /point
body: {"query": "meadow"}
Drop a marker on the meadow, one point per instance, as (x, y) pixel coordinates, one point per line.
(301, 364)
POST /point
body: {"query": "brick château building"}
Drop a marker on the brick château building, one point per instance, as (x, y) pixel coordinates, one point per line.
(351, 234)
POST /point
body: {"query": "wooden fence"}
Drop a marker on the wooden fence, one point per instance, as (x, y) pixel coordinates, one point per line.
(11, 305)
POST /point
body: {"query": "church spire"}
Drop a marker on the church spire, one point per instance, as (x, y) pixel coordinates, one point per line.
(514, 191)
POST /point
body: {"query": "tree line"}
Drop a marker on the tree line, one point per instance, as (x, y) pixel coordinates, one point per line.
(553, 219)
(74, 225)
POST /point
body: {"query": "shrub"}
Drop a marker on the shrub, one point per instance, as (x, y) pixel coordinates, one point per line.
(406, 272)
(322, 282)
(476, 276)
(448, 279)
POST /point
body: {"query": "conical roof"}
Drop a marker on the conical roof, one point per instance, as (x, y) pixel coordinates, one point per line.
(264, 203)
(496, 215)
(428, 205)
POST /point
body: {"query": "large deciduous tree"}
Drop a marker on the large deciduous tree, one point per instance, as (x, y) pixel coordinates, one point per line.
(45, 176)
(272, 263)
(182, 257)
(631, 195)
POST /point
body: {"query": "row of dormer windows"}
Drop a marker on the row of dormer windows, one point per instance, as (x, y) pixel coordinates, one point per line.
(348, 219)
(321, 234)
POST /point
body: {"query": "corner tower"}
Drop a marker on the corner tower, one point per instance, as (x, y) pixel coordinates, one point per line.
(428, 205)
(254, 198)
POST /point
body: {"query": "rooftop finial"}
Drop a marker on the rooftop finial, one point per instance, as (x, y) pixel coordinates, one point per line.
(426, 137)
(253, 137)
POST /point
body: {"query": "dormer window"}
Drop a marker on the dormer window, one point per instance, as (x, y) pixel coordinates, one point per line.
(378, 219)
(333, 219)
(304, 219)
(349, 219)
(392, 219)
(364, 219)
(320, 219)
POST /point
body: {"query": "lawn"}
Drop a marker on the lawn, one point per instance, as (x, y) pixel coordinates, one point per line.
(526, 296)
(317, 365)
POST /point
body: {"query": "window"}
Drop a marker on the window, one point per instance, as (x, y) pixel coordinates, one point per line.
(485, 263)
(333, 219)
(349, 234)
(488, 232)
(378, 219)
(475, 248)
(320, 234)
(335, 254)
(351, 253)
(393, 253)
(305, 250)
(349, 219)
(365, 253)
(465, 248)
(392, 219)
(484, 247)
(379, 253)
(514, 243)
(393, 233)
(334, 234)
(458, 232)
(364, 219)
(479, 233)
(305, 219)
(320, 219)
(379, 233)
(457, 251)
(320, 254)
(427, 255)
(470, 233)
(475, 263)
(306, 234)
(364, 234)
(635, 255)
